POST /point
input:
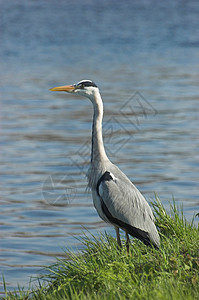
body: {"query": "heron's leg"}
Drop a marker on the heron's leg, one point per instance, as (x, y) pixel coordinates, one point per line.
(118, 236)
(127, 242)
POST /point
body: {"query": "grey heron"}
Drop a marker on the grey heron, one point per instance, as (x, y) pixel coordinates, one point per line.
(115, 197)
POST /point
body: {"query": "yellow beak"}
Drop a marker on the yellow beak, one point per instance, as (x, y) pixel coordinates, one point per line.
(64, 88)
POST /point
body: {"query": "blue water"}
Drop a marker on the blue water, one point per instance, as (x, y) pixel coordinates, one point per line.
(144, 56)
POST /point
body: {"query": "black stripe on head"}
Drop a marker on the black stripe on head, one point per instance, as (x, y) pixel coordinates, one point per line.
(86, 83)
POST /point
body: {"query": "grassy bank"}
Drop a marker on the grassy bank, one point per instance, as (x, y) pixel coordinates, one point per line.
(102, 271)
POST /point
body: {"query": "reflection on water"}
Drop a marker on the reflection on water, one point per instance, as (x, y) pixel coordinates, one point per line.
(144, 57)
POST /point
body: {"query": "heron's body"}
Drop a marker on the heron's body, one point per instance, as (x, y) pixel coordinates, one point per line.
(115, 197)
(120, 203)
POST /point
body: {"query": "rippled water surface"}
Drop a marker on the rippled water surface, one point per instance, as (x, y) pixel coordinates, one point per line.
(144, 56)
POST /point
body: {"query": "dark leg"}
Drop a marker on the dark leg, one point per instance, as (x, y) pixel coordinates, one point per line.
(118, 236)
(127, 242)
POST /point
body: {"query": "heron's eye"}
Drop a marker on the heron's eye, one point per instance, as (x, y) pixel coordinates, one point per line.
(81, 86)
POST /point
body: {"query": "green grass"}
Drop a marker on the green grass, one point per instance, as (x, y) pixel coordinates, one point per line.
(102, 271)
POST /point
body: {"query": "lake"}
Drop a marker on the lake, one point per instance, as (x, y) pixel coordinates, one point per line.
(144, 56)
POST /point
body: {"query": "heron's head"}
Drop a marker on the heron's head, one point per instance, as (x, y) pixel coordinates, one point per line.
(85, 88)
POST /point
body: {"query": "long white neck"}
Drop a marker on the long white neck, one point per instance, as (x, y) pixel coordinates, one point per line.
(98, 153)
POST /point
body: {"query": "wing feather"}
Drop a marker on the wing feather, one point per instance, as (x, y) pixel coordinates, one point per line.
(125, 203)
